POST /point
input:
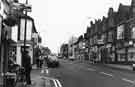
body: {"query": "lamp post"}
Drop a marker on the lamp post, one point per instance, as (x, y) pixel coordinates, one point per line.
(25, 28)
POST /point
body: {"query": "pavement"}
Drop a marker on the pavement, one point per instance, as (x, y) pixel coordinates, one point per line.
(119, 66)
(36, 78)
(115, 66)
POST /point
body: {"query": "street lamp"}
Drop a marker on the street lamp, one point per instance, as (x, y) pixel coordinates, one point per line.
(25, 28)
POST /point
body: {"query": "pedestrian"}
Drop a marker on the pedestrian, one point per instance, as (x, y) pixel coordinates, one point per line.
(27, 66)
(41, 61)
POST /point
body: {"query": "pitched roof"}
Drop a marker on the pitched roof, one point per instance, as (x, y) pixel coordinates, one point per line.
(124, 12)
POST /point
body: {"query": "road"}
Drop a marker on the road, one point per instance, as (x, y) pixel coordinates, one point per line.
(74, 74)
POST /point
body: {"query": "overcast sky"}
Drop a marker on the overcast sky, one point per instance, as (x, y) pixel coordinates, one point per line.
(58, 20)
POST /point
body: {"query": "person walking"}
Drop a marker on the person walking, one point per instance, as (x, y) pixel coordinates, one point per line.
(27, 66)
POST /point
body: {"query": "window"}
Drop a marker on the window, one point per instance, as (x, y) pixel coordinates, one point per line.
(110, 36)
(120, 32)
(133, 33)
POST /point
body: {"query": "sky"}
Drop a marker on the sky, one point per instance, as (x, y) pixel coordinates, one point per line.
(58, 20)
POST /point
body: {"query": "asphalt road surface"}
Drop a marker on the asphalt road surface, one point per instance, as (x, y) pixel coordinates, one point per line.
(75, 74)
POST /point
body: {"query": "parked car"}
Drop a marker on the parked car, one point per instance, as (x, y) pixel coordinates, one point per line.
(60, 57)
(72, 58)
(52, 61)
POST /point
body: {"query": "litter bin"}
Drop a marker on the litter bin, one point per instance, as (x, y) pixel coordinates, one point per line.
(133, 67)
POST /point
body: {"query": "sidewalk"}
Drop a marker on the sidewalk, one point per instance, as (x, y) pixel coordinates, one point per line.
(115, 66)
(35, 78)
(118, 66)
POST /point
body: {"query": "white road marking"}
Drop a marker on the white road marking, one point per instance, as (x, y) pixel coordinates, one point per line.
(58, 83)
(55, 83)
(107, 74)
(90, 69)
(48, 79)
(127, 80)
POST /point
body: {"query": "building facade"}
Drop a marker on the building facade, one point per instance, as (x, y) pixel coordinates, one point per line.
(112, 38)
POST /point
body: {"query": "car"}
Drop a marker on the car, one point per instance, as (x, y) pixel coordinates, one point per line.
(60, 57)
(72, 58)
(52, 61)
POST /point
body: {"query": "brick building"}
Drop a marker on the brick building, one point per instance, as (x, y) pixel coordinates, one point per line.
(112, 38)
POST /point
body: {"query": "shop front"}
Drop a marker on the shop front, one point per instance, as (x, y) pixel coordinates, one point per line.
(131, 54)
(110, 53)
(121, 57)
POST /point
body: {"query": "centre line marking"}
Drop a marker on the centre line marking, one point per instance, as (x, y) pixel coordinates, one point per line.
(90, 69)
(127, 80)
(106, 74)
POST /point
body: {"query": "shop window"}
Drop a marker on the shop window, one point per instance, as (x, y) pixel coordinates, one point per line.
(12, 53)
(121, 57)
(131, 56)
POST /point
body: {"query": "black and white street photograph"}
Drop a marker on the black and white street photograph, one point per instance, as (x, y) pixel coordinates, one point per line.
(67, 43)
